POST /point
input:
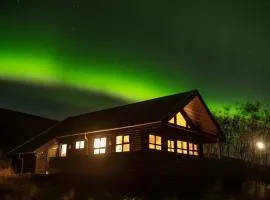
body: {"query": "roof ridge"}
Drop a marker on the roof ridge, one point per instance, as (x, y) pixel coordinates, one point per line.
(112, 108)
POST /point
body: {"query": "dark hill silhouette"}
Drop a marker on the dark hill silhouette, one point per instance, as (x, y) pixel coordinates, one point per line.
(17, 127)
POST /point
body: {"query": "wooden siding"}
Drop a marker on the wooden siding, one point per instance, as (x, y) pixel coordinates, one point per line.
(41, 163)
(197, 112)
(139, 141)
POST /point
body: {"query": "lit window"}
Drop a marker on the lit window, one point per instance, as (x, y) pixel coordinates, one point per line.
(193, 149)
(172, 121)
(79, 144)
(122, 143)
(100, 145)
(154, 142)
(63, 150)
(180, 120)
(182, 147)
(170, 145)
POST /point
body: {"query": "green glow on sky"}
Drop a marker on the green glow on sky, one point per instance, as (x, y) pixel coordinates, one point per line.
(125, 81)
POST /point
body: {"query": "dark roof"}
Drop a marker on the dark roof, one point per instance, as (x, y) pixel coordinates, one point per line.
(143, 112)
(17, 127)
(154, 110)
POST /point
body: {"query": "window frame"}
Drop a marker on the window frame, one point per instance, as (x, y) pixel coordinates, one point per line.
(170, 145)
(189, 148)
(122, 144)
(100, 149)
(61, 154)
(155, 145)
(182, 148)
(81, 144)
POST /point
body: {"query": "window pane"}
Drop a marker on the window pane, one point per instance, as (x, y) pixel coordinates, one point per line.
(77, 146)
(179, 151)
(126, 139)
(190, 152)
(179, 144)
(184, 151)
(180, 120)
(97, 143)
(158, 147)
(171, 120)
(119, 148)
(119, 139)
(102, 150)
(195, 147)
(196, 153)
(190, 146)
(152, 139)
(158, 140)
(63, 150)
(103, 142)
(184, 145)
(96, 151)
(126, 147)
(172, 144)
(169, 144)
(151, 146)
(81, 144)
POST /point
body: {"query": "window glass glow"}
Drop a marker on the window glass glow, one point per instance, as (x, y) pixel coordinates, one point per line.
(79, 144)
(63, 150)
(180, 120)
(170, 145)
(155, 142)
(181, 147)
(100, 145)
(191, 150)
(171, 120)
(122, 143)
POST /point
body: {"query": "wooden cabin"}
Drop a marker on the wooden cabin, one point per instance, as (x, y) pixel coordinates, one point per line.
(175, 126)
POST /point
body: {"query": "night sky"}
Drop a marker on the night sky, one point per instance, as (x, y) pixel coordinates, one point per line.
(60, 58)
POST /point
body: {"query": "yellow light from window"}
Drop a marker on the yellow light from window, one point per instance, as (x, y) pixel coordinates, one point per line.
(179, 151)
(170, 145)
(79, 144)
(190, 152)
(195, 147)
(126, 147)
(119, 148)
(196, 153)
(63, 152)
(119, 139)
(179, 144)
(103, 142)
(180, 120)
(122, 143)
(152, 139)
(184, 151)
(126, 139)
(184, 145)
(171, 120)
(190, 146)
(158, 147)
(151, 146)
(158, 140)
(101, 151)
(97, 143)
(100, 145)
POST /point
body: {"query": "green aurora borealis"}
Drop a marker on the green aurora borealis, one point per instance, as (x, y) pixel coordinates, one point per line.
(130, 52)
